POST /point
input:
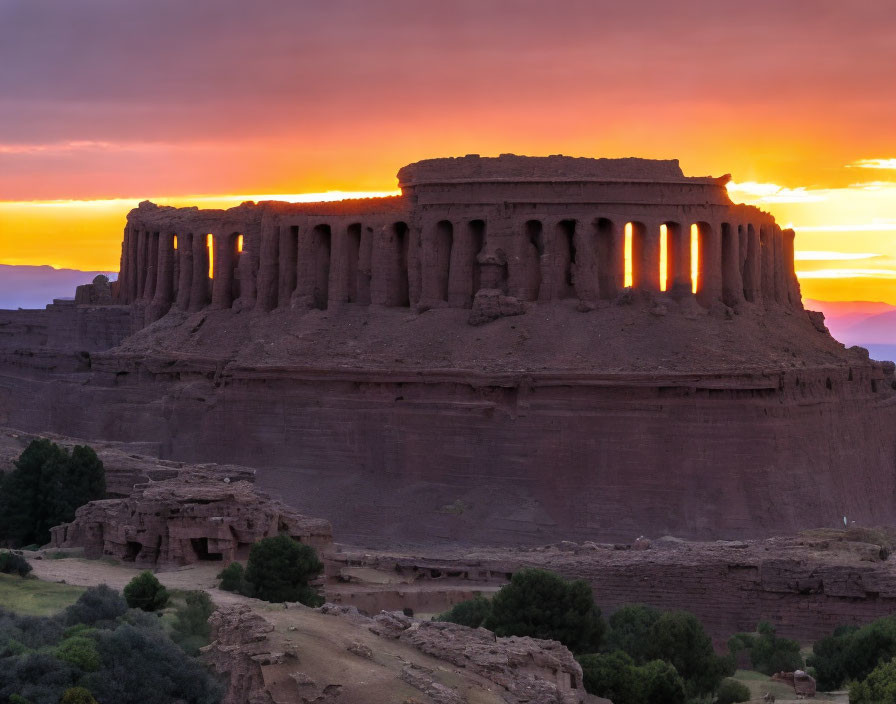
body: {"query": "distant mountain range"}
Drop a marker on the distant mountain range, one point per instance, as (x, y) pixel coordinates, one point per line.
(36, 286)
(864, 323)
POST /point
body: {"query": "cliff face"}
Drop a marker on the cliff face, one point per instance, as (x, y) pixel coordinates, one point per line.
(557, 424)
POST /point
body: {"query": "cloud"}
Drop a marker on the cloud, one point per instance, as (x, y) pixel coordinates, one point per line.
(755, 192)
(821, 255)
(873, 164)
(874, 226)
(847, 274)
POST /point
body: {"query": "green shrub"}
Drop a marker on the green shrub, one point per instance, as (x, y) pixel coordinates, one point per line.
(615, 676)
(629, 631)
(146, 592)
(233, 579)
(879, 687)
(280, 568)
(472, 612)
(612, 676)
(770, 654)
(10, 563)
(77, 695)
(678, 638)
(79, 651)
(851, 654)
(191, 629)
(98, 606)
(45, 489)
(541, 604)
(731, 692)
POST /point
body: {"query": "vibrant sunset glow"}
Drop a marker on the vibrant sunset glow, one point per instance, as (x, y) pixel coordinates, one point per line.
(629, 275)
(239, 244)
(210, 244)
(695, 257)
(237, 105)
(664, 257)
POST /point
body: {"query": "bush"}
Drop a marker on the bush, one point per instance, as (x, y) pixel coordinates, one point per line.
(616, 677)
(233, 579)
(768, 653)
(98, 606)
(79, 651)
(10, 563)
(77, 695)
(879, 687)
(146, 592)
(45, 489)
(191, 627)
(148, 667)
(678, 638)
(612, 676)
(629, 631)
(731, 692)
(472, 612)
(851, 654)
(542, 604)
(279, 569)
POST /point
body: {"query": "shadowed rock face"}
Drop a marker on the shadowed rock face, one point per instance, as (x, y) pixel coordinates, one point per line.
(195, 516)
(334, 352)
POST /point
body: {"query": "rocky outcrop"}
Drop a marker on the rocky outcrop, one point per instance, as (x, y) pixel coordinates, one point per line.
(802, 682)
(239, 650)
(195, 516)
(528, 670)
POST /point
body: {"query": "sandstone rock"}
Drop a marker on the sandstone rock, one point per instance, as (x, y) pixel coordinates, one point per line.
(237, 650)
(802, 683)
(420, 678)
(491, 304)
(195, 516)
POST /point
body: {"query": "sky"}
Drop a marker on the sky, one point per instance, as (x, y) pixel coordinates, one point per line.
(104, 103)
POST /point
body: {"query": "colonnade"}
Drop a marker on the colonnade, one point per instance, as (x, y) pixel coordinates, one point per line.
(316, 263)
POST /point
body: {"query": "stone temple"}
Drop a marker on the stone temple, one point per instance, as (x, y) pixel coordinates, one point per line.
(513, 350)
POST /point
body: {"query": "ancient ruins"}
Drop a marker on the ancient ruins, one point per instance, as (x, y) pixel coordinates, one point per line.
(529, 228)
(197, 515)
(515, 350)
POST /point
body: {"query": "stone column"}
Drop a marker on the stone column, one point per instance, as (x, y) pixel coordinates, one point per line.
(767, 248)
(781, 268)
(365, 264)
(460, 268)
(222, 283)
(337, 284)
(123, 270)
(646, 256)
(753, 266)
(732, 283)
(130, 292)
(678, 260)
(248, 266)
(268, 265)
(709, 281)
(793, 285)
(288, 265)
(163, 295)
(199, 283)
(152, 254)
(142, 263)
(185, 270)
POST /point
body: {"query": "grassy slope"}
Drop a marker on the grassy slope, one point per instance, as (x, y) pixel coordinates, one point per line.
(35, 597)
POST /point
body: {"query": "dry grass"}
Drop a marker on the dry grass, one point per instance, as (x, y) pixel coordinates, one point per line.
(34, 597)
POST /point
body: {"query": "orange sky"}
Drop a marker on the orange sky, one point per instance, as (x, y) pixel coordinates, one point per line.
(110, 103)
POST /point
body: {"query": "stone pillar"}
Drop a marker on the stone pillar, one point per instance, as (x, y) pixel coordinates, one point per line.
(753, 266)
(248, 267)
(163, 295)
(678, 260)
(130, 292)
(287, 251)
(461, 266)
(268, 265)
(123, 271)
(767, 248)
(365, 265)
(781, 268)
(646, 256)
(337, 283)
(732, 282)
(185, 270)
(140, 278)
(199, 283)
(794, 297)
(152, 255)
(222, 282)
(709, 280)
